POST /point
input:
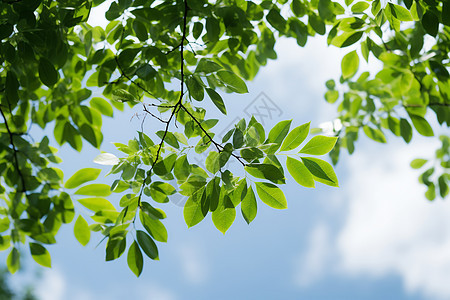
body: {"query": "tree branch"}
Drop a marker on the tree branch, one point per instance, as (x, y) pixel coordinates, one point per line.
(15, 151)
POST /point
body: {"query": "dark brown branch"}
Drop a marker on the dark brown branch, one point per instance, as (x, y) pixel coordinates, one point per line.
(15, 151)
(153, 115)
(218, 146)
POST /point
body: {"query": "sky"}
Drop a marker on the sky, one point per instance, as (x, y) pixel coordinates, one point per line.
(374, 237)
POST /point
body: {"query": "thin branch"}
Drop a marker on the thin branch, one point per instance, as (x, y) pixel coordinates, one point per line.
(218, 146)
(15, 151)
(175, 107)
(153, 115)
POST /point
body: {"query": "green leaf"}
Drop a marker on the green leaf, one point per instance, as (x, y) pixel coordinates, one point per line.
(97, 204)
(102, 106)
(443, 187)
(430, 194)
(121, 95)
(360, 7)
(430, 23)
(154, 227)
(192, 211)
(169, 138)
(418, 163)
(147, 244)
(265, 171)
(95, 189)
(421, 125)
(207, 66)
(271, 195)
(319, 145)
(295, 137)
(375, 134)
(82, 176)
(47, 72)
(81, 231)
(321, 170)
(405, 130)
(300, 173)
(212, 162)
(217, 100)
(350, 64)
(277, 135)
(196, 90)
(40, 255)
(13, 261)
(233, 81)
(249, 206)
(223, 218)
(134, 259)
(399, 12)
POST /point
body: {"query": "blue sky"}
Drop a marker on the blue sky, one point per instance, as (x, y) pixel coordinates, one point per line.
(375, 237)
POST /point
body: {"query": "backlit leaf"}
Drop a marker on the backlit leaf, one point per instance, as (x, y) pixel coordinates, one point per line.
(295, 137)
(40, 255)
(134, 259)
(81, 231)
(319, 145)
(271, 195)
(82, 176)
(300, 173)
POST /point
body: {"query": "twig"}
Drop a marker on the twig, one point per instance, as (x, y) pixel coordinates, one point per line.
(15, 151)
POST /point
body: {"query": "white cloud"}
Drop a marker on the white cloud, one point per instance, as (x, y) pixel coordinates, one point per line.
(52, 286)
(311, 265)
(389, 227)
(194, 266)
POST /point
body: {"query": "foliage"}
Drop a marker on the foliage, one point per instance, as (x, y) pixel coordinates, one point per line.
(52, 60)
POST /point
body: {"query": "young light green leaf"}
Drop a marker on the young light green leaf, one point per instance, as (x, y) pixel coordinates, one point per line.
(154, 227)
(212, 163)
(233, 81)
(295, 137)
(418, 163)
(106, 159)
(192, 211)
(223, 218)
(147, 244)
(95, 189)
(102, 106)
(97, 204)
(81, 231)
(374, 134)
(249, 206)
(399, 12)
(277, 135)
(13, 261)
(271, 195)
(82, 176)
(350, 64)
(321, 170)
(300, 173)
(319, 145)
(40, 255)
(134, 259)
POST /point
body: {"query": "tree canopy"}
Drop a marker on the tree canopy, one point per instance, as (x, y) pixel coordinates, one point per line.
(169, 57)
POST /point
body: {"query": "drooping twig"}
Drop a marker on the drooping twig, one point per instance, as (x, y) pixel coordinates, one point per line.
(15, 151)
